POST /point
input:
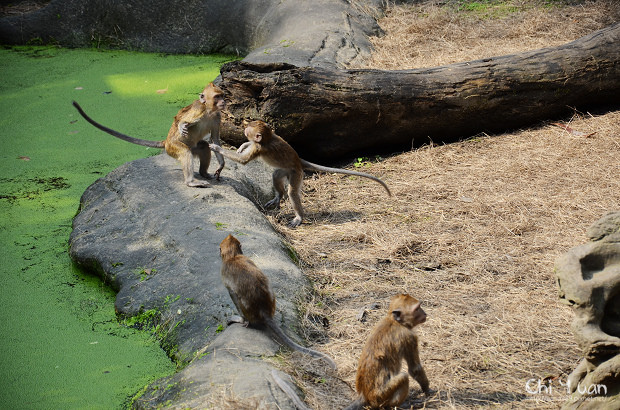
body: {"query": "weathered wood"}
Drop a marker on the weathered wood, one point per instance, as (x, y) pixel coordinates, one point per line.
(329, 113)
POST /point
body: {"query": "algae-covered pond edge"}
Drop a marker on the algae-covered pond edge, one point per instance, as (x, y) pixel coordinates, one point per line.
(65, 346)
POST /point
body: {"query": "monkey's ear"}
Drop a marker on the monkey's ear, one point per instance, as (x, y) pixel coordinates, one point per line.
(258, 137)
(202, 98)
(396, 315)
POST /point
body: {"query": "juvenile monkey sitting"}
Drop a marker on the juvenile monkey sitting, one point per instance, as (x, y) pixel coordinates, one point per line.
(379, 381)
(264, 143)
(251, 294)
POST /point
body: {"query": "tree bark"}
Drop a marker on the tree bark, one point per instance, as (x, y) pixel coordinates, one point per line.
(329, 113)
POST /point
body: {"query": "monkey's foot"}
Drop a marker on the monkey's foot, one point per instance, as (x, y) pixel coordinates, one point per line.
(198, 184)
(275, 202)
(295, 222)
(203, 174)
(237, 319)
(217, 174)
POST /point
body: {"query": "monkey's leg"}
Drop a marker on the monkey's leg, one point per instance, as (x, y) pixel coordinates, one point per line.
(237, 319)
(394, 392)
(294, 192)
(184, 154)
(203, 152)
(279, 176)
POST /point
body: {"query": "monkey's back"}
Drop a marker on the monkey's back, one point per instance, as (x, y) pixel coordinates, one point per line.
(279, 154)
(256, 301)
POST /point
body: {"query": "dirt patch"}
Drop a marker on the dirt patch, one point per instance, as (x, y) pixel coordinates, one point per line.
(473, 229)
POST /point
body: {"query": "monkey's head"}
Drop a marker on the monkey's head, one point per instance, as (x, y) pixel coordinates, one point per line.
(230, 247)
(258, 131)
(213, 97)
(407, 311)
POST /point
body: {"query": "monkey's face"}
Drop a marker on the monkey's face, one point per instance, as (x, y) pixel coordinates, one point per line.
(213, 97)
(219, 102)
(407, 311)
(419, 315)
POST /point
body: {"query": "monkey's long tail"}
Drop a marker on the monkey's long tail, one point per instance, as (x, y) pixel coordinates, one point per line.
(316, 167)
(289, 391)
(138, 141)
(276, 329)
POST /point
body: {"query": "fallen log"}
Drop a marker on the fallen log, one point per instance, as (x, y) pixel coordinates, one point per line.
(329, 113)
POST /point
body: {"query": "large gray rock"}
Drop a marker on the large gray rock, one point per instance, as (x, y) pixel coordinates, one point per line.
(589, 281)
(300, 32)
(156, 241)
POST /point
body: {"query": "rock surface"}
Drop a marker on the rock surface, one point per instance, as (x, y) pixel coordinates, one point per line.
(300, 32)
(156, 241)
(589, 281)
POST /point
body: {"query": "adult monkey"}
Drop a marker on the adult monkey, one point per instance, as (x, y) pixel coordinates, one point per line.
(186, 136)
(264, 143)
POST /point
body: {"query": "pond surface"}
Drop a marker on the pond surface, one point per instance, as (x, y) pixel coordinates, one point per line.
(61, 343)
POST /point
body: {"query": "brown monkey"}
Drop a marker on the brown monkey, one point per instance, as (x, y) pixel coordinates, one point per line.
(264, 143)
(379, 381)
(249, 290)
(185, 138)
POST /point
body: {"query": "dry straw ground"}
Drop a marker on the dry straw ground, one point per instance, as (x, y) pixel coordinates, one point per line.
(473, 228)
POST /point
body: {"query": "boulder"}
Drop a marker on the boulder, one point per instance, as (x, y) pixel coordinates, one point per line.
(156, 242)
(589, 281)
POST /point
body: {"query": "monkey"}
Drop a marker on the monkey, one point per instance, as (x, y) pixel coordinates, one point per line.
(379, 381)
(264, 143)
(250, 292)
(185, 138)
(289, 391)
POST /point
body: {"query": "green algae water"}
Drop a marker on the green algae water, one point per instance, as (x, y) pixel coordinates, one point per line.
(61, 345)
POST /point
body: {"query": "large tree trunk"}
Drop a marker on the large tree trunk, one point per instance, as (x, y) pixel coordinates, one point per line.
(327, 113)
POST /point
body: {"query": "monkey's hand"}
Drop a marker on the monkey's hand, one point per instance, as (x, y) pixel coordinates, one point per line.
(243, 146)
(430, 392)
(184, 129)
(215, 148)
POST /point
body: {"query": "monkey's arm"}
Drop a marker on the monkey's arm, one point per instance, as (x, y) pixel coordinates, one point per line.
(215, 137)
(246, 156)
(415, 367)
(189, 116)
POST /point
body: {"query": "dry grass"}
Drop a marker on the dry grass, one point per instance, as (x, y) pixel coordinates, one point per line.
(434, 33)
(473, 230)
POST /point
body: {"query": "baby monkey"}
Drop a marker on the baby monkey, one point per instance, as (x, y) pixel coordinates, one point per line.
(264, 143)
(249, 290)
(379, 381)
(186, 136)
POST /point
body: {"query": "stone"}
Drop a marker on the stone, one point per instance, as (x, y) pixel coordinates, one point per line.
(589, 281)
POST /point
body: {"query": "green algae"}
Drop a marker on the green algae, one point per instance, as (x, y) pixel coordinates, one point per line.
(62, 345)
